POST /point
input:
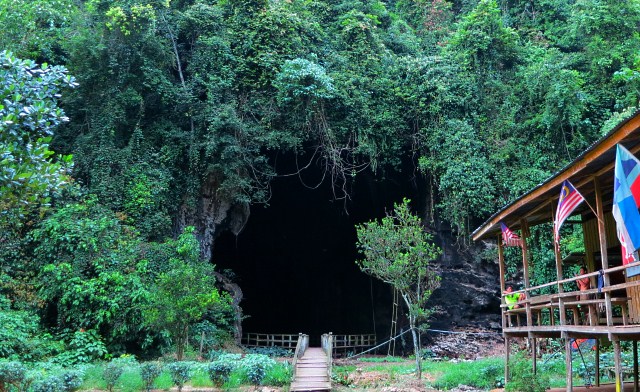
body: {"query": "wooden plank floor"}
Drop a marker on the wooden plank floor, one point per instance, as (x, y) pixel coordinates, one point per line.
(312, 372)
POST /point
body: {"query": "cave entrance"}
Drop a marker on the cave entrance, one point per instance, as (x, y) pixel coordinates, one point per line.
(295, 260)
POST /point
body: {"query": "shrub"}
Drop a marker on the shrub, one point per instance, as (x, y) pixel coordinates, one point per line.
(112, 373)
(219, 371)
(71, 380)
(84, 347)
(272, 351)
(255, 367)
(522, 377)
(12, 373)
(149, 372)
(49, 384)
(180, 373)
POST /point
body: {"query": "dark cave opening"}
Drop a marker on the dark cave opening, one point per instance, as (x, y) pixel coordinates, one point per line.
(295, 258)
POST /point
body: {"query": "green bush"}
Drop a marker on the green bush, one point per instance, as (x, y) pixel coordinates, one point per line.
(20, 336)
(49, 384)
(71, 380)
(272, 351)
(12, 373)
(522, 378)
(180, 373)
(83, 347)
(149, 372)
(112, 373)
(219, 371)
(255, 367)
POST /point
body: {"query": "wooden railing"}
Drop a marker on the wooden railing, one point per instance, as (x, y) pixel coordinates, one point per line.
(284, 340)
(302, 343)
(346, 343)
(563, 301)
(327, 346)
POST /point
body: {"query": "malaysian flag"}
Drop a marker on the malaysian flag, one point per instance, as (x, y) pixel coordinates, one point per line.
(570, 198)
(509, 238)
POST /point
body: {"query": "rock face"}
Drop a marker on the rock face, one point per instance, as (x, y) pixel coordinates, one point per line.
(469, 294)
(211, 214)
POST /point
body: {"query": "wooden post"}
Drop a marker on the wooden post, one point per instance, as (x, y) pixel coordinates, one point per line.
(556, 251)
(502, 282)
(635, 366)
(506, 359)
(568, 365)
(618, 365)
(534, 356)
(603, 249)
(597, 381)
(524, 228)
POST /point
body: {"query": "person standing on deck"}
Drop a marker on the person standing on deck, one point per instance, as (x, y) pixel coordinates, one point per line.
(584, 284)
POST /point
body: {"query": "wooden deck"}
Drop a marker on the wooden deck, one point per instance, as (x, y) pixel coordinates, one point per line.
(312, 371)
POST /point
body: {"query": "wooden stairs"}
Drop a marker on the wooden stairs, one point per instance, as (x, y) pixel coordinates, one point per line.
(312, 371)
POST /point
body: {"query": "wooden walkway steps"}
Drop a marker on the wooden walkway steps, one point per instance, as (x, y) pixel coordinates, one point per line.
(312, 371)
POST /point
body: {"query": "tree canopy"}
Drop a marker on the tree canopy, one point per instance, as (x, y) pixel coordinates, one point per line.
(178, 110)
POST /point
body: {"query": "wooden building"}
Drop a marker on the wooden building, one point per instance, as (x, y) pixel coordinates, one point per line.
(609, 313)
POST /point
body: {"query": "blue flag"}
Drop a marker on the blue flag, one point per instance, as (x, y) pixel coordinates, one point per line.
(626, 190)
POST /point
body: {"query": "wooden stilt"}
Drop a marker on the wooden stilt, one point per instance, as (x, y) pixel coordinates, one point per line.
(635, 366)
(618, 366)
(506, 359)
(568, 365)
(534, 355)
(597, 380)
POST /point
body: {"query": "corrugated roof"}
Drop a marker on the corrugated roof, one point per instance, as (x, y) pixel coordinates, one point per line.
(538, 205)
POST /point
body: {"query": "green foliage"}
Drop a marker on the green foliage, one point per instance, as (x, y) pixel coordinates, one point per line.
(150, 372)
(483, 40)
(35, 28)
(112, 373)
(180, 373)
(255, 367)
(184, 294)
(12, 374)
(278, 375)
(21, 337)
(272, 351)
(29, 114)
(67, 381)
(219, 371)
(82, 347)
(522, 378)
(485, 373)
(398, 251)
(90, 271)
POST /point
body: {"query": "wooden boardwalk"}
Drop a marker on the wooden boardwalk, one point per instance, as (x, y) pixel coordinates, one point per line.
(312, 371)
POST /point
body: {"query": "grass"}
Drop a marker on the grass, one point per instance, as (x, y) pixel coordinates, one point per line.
(200, 378)
(382, 359)
(483, 373)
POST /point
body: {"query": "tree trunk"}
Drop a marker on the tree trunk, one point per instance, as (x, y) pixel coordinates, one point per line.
(416, 346)
(414, 334)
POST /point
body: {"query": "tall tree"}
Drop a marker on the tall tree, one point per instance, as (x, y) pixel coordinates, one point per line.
(399, 251)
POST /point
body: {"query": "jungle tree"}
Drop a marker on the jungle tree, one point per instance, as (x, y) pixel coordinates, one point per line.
(398, 251)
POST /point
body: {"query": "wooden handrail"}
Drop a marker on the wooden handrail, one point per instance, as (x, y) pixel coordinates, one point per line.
(542, 301)
(301, 347)
(574, 278)
(327, 346)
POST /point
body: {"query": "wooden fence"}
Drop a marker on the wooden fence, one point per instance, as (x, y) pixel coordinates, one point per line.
(285, 340)
(341, 344)
(352, 344)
